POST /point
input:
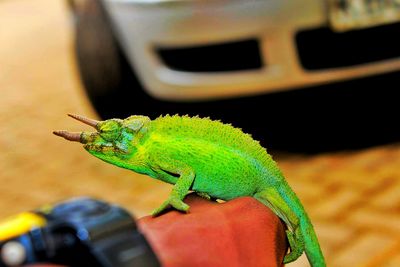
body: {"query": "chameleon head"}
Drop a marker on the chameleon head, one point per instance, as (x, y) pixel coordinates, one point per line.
(113, 141)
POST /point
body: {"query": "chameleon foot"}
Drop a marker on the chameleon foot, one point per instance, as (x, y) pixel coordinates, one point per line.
(175, 203)
(204, 195)
(296, 247)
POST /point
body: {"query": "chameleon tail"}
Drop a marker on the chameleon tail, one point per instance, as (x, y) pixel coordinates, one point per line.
(301, 235)
(312, 248)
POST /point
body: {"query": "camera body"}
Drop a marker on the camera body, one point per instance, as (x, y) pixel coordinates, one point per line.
(78, 232)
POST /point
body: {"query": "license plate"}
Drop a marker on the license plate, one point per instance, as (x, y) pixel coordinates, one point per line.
(345, 15)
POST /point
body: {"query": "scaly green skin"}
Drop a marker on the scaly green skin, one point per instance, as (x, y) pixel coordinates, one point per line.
(209, 157)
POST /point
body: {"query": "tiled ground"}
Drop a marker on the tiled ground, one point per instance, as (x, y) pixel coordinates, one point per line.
(353, 198)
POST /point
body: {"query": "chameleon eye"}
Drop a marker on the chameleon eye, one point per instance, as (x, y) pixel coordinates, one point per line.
(110, 130)
(109, 126)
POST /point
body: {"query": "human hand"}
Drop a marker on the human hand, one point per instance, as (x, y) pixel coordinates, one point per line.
(240, 232)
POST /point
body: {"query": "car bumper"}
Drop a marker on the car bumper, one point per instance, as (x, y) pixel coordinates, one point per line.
(146, 27)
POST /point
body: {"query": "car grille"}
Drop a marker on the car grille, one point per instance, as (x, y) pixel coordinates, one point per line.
(222, 57)
(322, 48)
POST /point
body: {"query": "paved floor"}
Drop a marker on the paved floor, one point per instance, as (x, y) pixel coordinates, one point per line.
(353, 197)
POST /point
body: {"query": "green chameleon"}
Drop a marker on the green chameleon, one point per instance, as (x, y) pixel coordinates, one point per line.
(213, 159)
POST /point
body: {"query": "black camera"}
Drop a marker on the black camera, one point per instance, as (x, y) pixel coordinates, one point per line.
(76, 233)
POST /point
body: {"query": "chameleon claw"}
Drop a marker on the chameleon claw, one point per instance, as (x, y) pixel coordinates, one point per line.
(160, 209)
(296, 247)
(87, 121)
(204, 195)
(179, 205)
(75, 137)
(175, 203)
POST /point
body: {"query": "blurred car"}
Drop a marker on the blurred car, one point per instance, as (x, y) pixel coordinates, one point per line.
(290, 72)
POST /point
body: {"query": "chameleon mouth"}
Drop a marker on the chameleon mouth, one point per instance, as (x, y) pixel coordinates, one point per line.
(80, 137)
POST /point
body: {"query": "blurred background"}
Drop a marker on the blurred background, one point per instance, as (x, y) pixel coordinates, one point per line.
(332, 125)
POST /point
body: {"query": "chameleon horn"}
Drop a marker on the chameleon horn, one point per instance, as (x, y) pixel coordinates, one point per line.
(76, 137)
(87, 121)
